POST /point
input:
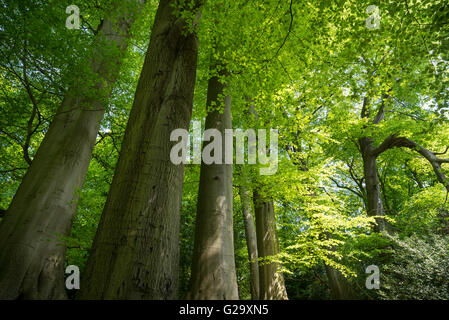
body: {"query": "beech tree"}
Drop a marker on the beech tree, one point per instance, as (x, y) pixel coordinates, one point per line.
(271, 284)
(32, 259)
(213, 266)
(251, 238)
(357, 92)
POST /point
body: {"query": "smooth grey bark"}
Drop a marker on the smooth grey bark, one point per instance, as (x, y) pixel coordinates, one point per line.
(251, 240)
(374, 203)
(136, 247)
(340, 286)
(395, 141)
(213, 268)
(31, 256)
(271, 281)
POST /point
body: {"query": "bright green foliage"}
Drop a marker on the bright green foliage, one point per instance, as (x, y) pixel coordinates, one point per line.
(305, 68)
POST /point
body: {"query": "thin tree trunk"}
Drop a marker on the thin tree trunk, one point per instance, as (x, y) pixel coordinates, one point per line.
(213, 269)
(31, 256)
(373, 192)
(272, 286)
(136, 247)
(251, 240)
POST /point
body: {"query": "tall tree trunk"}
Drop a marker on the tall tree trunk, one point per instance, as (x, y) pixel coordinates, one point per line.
(373, 192)
(340, 287)
(251, 240)
(272, 286)
(370, 154)
(136, 247)
(31, 256)
(213, 269)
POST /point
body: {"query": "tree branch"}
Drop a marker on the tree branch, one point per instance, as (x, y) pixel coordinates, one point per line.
(393, 141)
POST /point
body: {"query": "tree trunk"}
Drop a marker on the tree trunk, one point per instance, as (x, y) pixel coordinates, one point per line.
(251, 240)
(271, 281)
(136, 247)
(213, 269)
(340, 287)
(373, 193)
(369, 155)
(31, 256)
